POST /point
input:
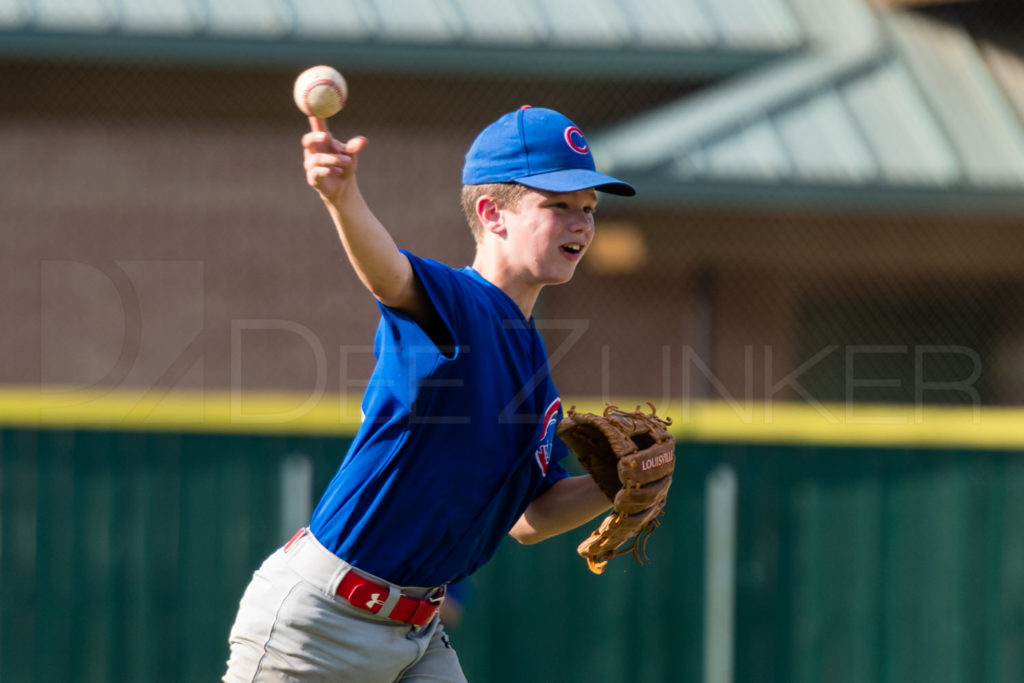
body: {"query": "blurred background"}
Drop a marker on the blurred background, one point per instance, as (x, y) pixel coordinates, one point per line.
(821, 280)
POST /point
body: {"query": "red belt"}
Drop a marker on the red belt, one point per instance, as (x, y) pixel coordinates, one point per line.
(370, 596)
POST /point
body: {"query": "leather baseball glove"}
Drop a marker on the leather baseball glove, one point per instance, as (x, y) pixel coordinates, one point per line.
(631, 456)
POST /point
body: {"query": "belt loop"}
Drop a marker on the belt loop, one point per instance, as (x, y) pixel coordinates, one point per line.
(391, 601)
(331, 589)
(298, 535)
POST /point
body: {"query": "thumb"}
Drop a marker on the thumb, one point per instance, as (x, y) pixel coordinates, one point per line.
(355, 145)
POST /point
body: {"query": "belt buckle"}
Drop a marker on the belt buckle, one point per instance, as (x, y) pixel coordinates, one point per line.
(438, 597)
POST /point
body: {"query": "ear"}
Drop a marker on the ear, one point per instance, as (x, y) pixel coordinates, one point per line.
(490, 214)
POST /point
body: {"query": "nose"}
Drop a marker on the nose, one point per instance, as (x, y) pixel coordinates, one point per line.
(582, 221)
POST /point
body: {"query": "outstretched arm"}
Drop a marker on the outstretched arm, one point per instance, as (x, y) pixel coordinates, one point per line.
(566, 505)
(386, 272)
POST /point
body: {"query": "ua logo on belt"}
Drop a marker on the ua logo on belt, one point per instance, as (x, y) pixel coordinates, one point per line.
(374, 602)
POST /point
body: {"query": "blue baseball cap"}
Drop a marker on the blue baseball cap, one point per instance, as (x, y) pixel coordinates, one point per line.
(539, 148)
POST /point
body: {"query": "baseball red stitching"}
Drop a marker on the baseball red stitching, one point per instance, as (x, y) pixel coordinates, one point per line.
(322, 81)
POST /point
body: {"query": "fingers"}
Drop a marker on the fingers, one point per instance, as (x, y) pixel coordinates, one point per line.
(324, 165)
(322, 141)
(312, 158)
(324, 157)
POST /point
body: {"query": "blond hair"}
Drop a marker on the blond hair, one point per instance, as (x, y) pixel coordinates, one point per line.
(506, 195)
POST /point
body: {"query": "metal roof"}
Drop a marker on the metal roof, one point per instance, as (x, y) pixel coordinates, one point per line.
(893, 111)
(660, 37)
(653, 23)
(818, 101)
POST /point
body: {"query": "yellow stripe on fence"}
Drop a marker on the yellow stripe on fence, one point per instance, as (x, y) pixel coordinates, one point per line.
(162, 409)
(854, 424)
(176, 410)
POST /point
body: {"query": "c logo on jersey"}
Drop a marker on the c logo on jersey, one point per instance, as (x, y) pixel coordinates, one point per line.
(547, 436)
(574, 138)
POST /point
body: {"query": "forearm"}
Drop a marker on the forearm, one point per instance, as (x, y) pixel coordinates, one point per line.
(331, 170)
(370, 248)
(566, 505)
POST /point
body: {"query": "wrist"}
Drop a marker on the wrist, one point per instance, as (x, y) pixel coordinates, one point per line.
(343, 198)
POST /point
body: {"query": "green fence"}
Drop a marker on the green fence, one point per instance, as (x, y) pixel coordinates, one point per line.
(852, 565)
(123, 555)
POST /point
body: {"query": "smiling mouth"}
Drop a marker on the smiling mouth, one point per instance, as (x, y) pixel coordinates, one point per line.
(572, 249)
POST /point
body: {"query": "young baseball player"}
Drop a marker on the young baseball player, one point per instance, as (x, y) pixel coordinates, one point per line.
(458, 448)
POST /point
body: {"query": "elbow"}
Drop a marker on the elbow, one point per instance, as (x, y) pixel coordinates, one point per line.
(525, 534)
(391, 297)
(528, 539)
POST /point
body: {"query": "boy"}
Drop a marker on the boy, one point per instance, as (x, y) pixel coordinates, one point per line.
(458, 445)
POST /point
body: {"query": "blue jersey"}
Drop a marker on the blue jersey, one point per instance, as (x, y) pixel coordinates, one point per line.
(456, 440)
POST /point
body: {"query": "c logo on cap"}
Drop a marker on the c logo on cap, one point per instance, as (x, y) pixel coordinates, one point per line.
(574, 138)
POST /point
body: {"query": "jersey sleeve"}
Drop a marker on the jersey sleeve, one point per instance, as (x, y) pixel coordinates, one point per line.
(556, 470)
(443, 289)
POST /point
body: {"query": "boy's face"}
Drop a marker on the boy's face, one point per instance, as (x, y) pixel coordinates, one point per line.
(548, 233)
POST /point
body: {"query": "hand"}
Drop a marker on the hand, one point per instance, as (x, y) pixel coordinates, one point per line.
(330, 165)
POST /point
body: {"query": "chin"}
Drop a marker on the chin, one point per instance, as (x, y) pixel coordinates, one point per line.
(562, 278)
(556, 273)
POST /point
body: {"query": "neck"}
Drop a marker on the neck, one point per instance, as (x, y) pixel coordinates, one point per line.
(524, 295)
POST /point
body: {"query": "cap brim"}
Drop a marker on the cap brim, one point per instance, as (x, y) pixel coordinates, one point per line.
(571, 180)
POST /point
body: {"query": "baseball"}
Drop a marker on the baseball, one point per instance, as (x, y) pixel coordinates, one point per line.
(320, 91)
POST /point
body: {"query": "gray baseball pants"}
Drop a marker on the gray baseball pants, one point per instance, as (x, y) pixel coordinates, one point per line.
(291, 626)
